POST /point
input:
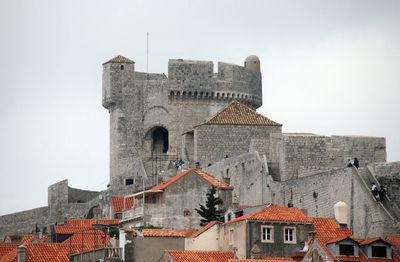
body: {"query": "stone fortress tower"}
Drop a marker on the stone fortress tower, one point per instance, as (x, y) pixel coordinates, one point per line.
(150, 112)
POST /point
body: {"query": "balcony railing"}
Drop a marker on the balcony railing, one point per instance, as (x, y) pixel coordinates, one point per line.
(132, 213)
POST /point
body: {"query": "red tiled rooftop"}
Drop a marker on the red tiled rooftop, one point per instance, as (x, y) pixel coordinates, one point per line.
(394, 240)
(86, 240)
(45, 252)
(236, 113)
(119, 59)
(327, 228)
(8, 252)
(76, 225)
(118, 205)
(199, 256)
(276, 213)
(208, 178)
(162, 232)
(90, 222)
(205, 228)
(266, 259)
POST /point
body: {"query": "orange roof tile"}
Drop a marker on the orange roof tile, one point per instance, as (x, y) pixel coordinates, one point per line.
(199, 256)
(45, 252)
(275, 213)
(119, 59)
(236, 113)
(205, 228)
(86, 240)
(90, 222)
(150, 232)
(394, 240)
(327, 228)
(368, 241)
(208, 178)
(266, 259)
(117, 203)
(8, 252)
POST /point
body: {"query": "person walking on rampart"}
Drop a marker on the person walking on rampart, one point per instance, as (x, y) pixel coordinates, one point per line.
(382, 193)
(355, 163)
(374, 191)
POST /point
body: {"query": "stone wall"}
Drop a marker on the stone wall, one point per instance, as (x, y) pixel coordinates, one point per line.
(152, 248)
(317, 194)
(304, 154)
(175, 207)
(139, 102)
(245, 173)
(25, 221)
(214, 142)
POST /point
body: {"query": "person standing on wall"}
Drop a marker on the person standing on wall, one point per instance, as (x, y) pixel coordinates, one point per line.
(356, 163)
(382, 193)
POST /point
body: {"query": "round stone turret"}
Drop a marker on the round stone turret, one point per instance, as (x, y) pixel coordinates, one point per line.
(252, 62)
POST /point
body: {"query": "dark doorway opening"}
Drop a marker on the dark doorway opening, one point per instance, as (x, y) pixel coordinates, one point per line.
(160, 140)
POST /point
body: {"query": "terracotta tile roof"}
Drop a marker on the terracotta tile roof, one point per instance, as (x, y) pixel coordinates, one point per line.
(394, 240)
(90, 222)
(199, 256)
(119, 59)
(8, 252)
(86, 240)
(205, 228)
(368, 241)
(45, 252)
(208, 178)
(147, 232)
(266, 259)
(341, 238)
(77, 225)
(327, 228)
(275, 213)
(236, 113)
(117, 203)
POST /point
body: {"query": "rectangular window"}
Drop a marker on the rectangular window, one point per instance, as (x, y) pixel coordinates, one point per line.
(346, 250)
(378, 251)
(289, 236)
(267, 234)
(231, 239)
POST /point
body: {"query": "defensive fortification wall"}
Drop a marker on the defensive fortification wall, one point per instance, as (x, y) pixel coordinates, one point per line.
(318, 193)
(303, 154)
(24, 222)
(140, 103)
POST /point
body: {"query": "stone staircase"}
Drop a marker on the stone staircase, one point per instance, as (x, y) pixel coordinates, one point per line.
(367, 175)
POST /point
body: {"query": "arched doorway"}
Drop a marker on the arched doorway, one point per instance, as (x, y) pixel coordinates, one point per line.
(159, 141)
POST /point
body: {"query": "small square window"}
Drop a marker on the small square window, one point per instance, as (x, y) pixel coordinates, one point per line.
(346, 250)
(289, 235)
(378, 251)
(267, 234)
(128, 181)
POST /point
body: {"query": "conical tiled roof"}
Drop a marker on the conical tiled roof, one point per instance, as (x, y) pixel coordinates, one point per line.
(119, 59)
(236, 113)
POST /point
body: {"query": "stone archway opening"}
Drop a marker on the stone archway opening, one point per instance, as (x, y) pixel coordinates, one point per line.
(160, 142)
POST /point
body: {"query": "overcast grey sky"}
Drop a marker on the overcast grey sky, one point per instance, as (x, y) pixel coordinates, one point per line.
(329, 67)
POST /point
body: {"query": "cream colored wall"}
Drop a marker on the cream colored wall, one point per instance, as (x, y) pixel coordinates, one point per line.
(239, 238)
(206, 241)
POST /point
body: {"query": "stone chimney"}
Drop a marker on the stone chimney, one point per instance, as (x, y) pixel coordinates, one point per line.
(341, 213)
(21, 253)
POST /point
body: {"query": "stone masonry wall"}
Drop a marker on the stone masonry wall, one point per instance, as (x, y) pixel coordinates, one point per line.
(318, 193)
(245, 173)
(304, 154)
(214, 142)
(176, 208)
(25, 221)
